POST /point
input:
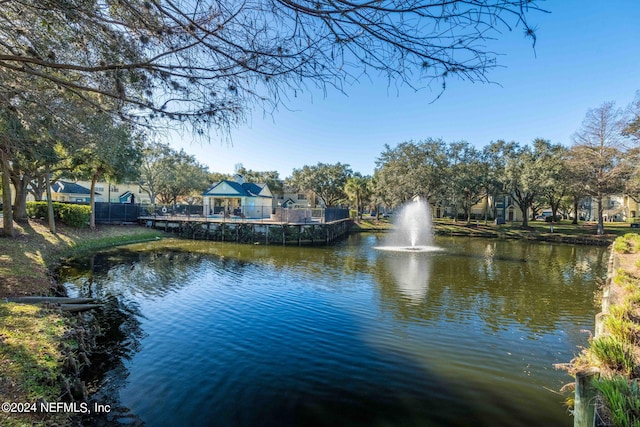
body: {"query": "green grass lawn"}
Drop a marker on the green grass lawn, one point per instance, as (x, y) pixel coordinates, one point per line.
(30, 337)
(564, 230)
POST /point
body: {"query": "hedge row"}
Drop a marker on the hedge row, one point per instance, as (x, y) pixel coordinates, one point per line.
(70, 214)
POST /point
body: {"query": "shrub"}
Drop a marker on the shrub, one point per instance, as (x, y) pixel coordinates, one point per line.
(622, 245)
(75, 215)
(619, 324)
(70, 214)
(634, 241)
(37, 210)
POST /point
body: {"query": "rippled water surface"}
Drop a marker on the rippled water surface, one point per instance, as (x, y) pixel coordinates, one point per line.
(213, 334)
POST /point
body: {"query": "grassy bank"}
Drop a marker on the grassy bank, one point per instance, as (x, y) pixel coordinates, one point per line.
(25, 258)
(30, 359)
(564, 231)
(615, 348)
(30, 352)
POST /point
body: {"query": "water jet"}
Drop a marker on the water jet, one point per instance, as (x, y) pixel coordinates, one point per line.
(413, 231)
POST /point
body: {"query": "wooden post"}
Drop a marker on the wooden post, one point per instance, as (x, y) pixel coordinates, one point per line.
(605, 298)
(599, 329)
(584, 412)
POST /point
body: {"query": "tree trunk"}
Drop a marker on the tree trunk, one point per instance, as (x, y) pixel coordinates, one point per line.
(575, 211)
(38, 187)
(524, 207)
(7, 211)
(52, 220)
(494, 207)
(600, 229)
(486, 209)
(20, 184)
(92, 202)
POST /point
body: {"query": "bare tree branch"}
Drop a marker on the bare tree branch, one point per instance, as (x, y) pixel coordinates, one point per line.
(207, 62)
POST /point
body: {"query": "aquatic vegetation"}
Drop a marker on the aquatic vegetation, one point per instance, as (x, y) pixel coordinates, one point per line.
(621, 404)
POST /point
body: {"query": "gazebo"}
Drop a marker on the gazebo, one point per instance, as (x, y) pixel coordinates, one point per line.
(238, 198)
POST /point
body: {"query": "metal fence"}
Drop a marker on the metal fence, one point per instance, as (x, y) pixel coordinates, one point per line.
(308, 215)
(118, 213)
(335, 214)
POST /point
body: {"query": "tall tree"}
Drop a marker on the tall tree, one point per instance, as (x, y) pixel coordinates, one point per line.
(358, 188)
(151, 168)
(632, 130)
(495, 155)
(327, 181)
(381, 196)
(413, 169)
(110, 151)
(552, 178)
(522, 178)
(597, 157)
(632, 124)
(11, 137)
(468, 174)
(271, 178)
(45, 124)
(180, 176)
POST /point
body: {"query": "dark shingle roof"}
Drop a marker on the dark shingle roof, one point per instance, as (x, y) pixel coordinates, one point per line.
(247, 189)
(69, 188)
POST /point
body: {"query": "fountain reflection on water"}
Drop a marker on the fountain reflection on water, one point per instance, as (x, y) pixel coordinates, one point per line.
(410, 273)
(413, 231)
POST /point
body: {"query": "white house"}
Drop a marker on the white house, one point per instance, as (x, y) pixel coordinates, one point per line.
(238, 198)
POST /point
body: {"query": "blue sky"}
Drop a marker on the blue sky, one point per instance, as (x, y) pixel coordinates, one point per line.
(587, 53)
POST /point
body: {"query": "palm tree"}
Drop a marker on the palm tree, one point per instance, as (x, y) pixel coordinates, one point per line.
(358, 189)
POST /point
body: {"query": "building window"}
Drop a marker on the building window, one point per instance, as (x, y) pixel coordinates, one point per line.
(99, 188)
(302, 196)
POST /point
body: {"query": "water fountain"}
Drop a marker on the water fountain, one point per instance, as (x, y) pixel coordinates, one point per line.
(413, 231)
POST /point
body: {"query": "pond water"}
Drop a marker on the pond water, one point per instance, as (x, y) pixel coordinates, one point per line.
(214, 334)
